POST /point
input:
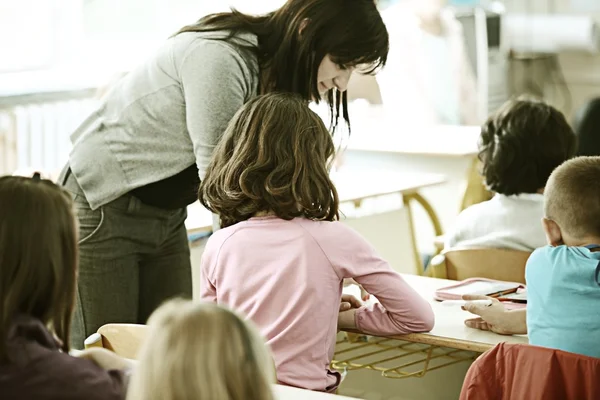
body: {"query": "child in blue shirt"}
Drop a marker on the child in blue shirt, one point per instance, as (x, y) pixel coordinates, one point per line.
(563, 279)
(563, 287)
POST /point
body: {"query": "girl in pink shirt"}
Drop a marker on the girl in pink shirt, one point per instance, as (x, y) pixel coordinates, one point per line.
(282, 255)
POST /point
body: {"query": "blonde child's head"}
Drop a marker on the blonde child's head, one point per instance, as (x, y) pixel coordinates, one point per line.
(572, 203)
(273, 158)
(201, 351)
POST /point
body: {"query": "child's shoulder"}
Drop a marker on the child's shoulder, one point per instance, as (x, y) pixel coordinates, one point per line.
(220, 236)
(479, 209)
(325, 227)
(546, 258)
(558, 253)
(333, 234)
(547, 254)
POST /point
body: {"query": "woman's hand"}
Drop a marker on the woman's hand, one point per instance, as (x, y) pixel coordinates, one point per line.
(495, 317)
(105, 359)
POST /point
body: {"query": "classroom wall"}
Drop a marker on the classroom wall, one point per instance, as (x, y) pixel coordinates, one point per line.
(581, 71)
(157, 19)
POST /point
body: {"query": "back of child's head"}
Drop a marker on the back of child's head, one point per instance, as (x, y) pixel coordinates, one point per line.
(572, 197)
(587, 128)
(38, 255)
(521, 144)
(201, 351)
(274, 157)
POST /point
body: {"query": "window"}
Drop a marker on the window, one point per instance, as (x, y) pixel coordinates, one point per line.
(26, 38)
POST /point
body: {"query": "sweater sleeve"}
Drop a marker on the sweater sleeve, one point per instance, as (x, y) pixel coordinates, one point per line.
(208, 291)
(216, 83)
(68, 377)
(401, 309)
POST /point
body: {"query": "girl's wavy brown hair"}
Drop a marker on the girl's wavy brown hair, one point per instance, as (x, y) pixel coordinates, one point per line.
(274, 157)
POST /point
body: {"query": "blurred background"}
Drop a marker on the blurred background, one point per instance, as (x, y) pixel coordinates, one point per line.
(57, 57)
(451, 64)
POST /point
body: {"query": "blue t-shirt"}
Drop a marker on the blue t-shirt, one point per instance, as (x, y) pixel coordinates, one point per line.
(563, 299)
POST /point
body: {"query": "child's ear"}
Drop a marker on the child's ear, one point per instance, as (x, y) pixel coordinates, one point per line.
(553, 233)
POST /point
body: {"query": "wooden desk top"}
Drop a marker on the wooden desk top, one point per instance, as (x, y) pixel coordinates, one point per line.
(352, 187)
(356, 186)
(436, 140)
(290, 393)
(450, 330)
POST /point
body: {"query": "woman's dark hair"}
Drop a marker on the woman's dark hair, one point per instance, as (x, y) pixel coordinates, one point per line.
(293, 40)
(38, 256)
(587, 128)
(274, 157)
(521, 144)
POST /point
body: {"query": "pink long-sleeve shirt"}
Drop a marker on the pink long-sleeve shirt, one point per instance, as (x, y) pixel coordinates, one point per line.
(287, 277)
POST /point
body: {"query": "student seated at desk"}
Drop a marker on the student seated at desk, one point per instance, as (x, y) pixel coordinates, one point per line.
(519, 147)
(201, 351)
(587, 128)
(38, 275)
(282, 256)
(563, 282)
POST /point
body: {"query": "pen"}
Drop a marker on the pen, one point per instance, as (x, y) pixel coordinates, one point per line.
(464, 302)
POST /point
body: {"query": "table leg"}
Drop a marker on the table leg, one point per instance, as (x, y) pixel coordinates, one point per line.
(437, 226)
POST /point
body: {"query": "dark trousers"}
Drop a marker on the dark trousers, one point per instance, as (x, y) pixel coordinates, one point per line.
(132, 257)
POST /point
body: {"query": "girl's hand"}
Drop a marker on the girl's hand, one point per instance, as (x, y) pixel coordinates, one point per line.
(348, 302)
(346, 319)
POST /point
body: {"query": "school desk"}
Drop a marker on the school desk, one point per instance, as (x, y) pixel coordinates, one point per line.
(290, 393)
(386, 228)
(415, 354)
(379, 135)
(448, 150)
(354, 189)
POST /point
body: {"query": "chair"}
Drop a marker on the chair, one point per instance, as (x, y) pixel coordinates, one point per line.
(475, 191)
(123, 339)
(525, 372)
(498, 264)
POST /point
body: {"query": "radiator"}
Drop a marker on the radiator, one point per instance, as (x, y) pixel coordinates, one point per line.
(35, 136)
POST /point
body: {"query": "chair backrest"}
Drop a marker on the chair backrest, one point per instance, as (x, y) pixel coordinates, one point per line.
(124, 339)
(524, 372)
(475, 190)
(498, 264)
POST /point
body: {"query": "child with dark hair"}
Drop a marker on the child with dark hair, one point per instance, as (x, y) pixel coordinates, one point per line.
(282, 256)
(587, 128)
(520, 146)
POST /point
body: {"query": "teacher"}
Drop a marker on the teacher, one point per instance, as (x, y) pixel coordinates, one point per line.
(138, 159)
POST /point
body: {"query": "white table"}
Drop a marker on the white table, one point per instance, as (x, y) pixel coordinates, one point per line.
(379, 141)
(433, 140)
(449, 329)
(449, 342)
(290, 393)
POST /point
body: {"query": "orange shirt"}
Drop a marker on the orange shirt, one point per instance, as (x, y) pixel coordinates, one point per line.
(525, 372)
